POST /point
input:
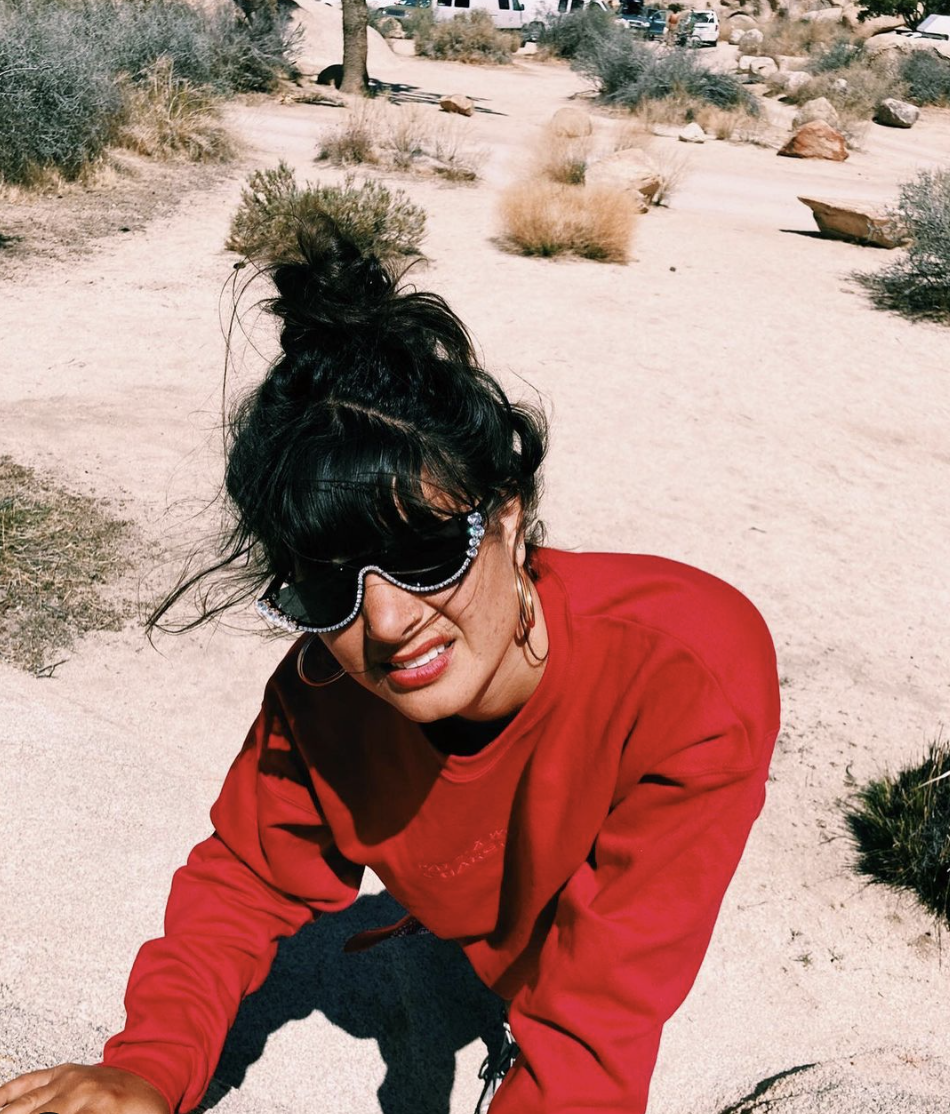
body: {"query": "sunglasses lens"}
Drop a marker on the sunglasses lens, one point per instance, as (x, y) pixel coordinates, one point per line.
(327, 597)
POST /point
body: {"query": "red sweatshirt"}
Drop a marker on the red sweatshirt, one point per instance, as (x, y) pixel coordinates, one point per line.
(580, 859)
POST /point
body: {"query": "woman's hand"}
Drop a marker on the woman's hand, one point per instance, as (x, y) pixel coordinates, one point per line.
(79, 1089)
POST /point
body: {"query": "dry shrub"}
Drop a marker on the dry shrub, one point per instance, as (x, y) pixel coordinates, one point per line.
(855, 92)
(58, 554)
(468, 37)
(165, 116)
(356, 140)
(673, 167)
(411, 138)
(679, 109)
(562, 159)
(545, 218)
(795, 37)
(274, 210)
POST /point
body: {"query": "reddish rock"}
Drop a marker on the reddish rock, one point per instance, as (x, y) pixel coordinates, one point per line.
(816, 140)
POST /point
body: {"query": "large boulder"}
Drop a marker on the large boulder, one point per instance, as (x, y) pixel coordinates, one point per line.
(457, 103)
(741, 20)
(571, 123)
(823, 15)
(763, 67)
(749, 40)
(818, 109)
(795, 81)
(893, 113)
(632, 170)
(881, 23)
(861, 222)
(816, 140)
(902, 44)
(692, 133)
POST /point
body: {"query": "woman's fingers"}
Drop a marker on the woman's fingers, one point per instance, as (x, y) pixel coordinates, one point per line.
(14, 1088)
(38, 1100)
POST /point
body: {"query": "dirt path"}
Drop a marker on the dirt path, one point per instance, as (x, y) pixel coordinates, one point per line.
(729, 399)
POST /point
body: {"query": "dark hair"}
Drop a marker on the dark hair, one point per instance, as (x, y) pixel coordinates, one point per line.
(377, 401)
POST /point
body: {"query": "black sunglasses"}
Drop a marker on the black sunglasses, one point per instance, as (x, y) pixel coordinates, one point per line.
(330, 596)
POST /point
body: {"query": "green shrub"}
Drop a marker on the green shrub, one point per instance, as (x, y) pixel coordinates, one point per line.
(901, 828)
(629, 73)
(840, 54)
(468, 37)
(566, 36)
(926, 78)
(917, 283)
(418, 25)
(274, 210)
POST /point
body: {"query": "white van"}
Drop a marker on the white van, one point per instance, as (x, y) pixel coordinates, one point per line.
(508, 15)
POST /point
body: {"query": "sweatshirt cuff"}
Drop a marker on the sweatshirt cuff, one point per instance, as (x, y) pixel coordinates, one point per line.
(152, 1066)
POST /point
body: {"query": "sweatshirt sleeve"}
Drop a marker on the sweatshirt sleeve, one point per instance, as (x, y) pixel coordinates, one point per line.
(633, 923)
(269, 868)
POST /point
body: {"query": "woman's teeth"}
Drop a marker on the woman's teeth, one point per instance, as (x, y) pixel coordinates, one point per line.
(422, 659)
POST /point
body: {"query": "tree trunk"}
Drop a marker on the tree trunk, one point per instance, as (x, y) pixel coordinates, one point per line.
(355, 76)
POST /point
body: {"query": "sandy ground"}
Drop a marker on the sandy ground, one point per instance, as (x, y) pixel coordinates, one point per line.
(729, 399)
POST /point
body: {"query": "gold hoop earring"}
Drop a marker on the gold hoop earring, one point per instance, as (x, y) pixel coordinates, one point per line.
(526, 613)
(303, 676)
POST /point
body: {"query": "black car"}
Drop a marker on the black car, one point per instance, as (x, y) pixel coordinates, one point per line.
(636, 17)
(658, 21)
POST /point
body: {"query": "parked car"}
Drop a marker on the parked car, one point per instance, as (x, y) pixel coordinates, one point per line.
(635, 17)
(698, 29)
(507, 15)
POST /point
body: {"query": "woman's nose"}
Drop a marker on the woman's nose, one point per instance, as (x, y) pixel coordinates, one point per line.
(389, 613)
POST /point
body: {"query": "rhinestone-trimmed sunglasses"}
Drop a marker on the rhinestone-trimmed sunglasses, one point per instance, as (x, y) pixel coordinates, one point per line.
(331, 595)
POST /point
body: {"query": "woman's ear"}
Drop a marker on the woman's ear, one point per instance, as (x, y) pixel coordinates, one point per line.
(511, 524)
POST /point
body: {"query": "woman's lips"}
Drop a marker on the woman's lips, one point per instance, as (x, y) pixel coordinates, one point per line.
(406, 675)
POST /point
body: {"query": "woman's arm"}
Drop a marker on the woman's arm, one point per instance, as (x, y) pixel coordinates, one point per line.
(269, 868)
(633, 923)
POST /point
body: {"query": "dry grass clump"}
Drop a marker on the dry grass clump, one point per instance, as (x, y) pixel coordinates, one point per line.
(166, 116)
(782, 35)
(58, 553)
(680, 108)
(410, 138)
(548, 219)
(274, 210)
(467, 37)
(901, 828)
(562, 159)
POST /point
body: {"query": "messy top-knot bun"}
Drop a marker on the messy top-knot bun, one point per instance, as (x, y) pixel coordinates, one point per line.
(375, 418)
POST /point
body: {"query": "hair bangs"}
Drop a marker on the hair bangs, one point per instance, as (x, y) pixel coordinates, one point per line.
(363, 492)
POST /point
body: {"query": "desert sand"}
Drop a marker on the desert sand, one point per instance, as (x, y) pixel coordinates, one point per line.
(729, 399)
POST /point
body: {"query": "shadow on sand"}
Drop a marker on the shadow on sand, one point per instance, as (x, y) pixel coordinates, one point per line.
(416, 996)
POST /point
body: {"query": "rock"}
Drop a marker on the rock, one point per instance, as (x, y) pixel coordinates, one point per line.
(793, 61)
(881, 23)
(823, 15)
(735, 37)
(858, 221)
(692, 133)
(632, 170)
(840, 85)
(816, 140)
(896, 114)
(818, 109)
(795, 81)
(903, 44)
(457, 102)
(741, 20)
(749, 40)
(745, 60)
(571, 123)
(763, 67)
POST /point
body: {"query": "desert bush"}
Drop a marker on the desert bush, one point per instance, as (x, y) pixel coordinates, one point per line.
(58, 553)
(164, 116)
(559, 158)
(61, 102)
(855, 93)
(840, 54)
(901, 829)
(274, 209)
(356, 140)
(782, 35)
(545, 218)
(566, 36)
(418, 25)
(629, 73)
(917, 283)
(926, 78)
(58, 98)
(468, 37)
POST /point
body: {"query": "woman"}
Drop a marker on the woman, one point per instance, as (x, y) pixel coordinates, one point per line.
(552, 758)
